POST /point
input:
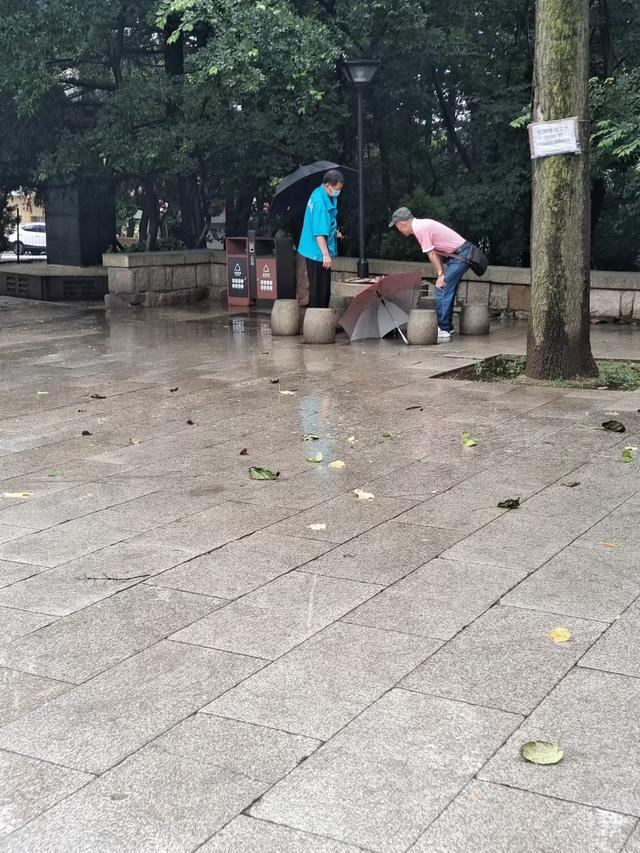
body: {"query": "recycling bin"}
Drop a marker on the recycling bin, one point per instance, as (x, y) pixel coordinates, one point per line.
(271, 268)
(238, 287)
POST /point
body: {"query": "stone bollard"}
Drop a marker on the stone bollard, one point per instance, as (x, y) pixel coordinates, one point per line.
(474, 319)
(422, 328)
(285, 317)
(319, 326)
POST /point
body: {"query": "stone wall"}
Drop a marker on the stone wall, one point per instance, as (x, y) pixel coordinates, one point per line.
(164, 278)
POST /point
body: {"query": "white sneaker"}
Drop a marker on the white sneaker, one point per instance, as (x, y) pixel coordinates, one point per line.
(443, 336)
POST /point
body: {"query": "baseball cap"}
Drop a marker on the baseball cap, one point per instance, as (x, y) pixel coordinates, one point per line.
(402, 214)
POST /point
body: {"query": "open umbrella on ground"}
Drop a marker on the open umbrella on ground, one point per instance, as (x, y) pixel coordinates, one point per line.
(382, 307)
(293, 192)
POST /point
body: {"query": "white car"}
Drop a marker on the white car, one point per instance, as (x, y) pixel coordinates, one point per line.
(30, 240)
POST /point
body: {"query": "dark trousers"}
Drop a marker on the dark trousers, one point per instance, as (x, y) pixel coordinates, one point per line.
(319, 284)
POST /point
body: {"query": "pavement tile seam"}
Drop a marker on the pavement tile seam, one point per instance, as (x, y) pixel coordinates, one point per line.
(526, 791)
(352, 844)
(546, 610)
(266, 661)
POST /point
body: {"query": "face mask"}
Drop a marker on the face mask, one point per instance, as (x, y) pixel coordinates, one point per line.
(336, 193)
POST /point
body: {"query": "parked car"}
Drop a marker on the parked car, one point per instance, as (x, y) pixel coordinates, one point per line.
(31, 240)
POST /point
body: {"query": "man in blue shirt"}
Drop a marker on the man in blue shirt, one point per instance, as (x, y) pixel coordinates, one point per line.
(318, 238)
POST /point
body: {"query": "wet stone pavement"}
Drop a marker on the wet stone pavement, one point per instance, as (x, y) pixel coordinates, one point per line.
(192, 660)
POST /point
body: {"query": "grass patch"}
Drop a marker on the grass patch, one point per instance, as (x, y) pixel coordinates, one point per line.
(613, 375)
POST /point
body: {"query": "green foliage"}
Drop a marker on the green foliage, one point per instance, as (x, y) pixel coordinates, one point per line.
(620, 375)
(446, 118)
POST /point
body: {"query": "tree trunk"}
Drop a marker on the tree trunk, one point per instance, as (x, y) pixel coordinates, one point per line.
(150, 215)
(605, 40)
(558, 344)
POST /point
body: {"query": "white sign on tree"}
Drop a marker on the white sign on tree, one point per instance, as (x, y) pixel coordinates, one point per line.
(547, 138)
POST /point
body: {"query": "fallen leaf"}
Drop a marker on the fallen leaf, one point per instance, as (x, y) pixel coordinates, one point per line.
(387, 435)
(609, 545)
(56, 474)
(42, 393)
(244, 452)
(468, 441)
(311, 437)
(613, 414)
(352, 439)
(541, 752)
(98, 397)
(317, 458)
(413, 408)
(614, 426)
(571, 485)
(363, 496)
(274, 381)
(560, 635)
(17, 495)
(628, 454)
(509, 503)
(173, 390)
(263, 474)
(337, 465)
(118, 797)
(191, 423)
(288, 393)
(135, 441)
(86, 432)
(317, 526)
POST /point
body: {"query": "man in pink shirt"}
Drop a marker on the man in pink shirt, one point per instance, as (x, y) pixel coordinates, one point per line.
(438, 242)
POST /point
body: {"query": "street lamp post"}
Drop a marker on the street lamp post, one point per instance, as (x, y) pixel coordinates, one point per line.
(359, 74)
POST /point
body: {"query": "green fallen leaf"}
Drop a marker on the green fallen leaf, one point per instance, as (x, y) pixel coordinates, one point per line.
(263, 474)
(468, 441)
(571, 485)
(628, 455)
(509, 503)
(614, 426)
(311, 437)
(387, 435)
(541, 752)
(56, 474)
(317, 458)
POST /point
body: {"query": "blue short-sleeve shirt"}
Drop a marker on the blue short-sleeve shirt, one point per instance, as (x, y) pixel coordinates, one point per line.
(320, 220)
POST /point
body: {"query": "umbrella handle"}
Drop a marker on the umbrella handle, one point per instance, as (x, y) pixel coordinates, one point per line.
(402, 335)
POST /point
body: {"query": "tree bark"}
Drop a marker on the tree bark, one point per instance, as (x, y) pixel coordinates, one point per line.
(558, 344)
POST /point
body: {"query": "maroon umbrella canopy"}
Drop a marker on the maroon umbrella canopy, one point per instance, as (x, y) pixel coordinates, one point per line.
(382, 307)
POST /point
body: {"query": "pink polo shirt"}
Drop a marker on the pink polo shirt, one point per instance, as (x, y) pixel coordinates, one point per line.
(434, 235)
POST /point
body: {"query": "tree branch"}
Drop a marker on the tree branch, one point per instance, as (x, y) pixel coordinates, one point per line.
(449, 120)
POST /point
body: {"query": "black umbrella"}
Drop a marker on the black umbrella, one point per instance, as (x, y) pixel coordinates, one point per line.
(293, 191)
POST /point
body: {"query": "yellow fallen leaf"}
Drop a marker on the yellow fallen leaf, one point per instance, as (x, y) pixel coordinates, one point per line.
(287, 393)
(337, 465)
(17, 495)
(352, 439)
(560, 635)
(135, 441)
(317, 458)
(363, 496)
(317, 526)
(609, 545)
